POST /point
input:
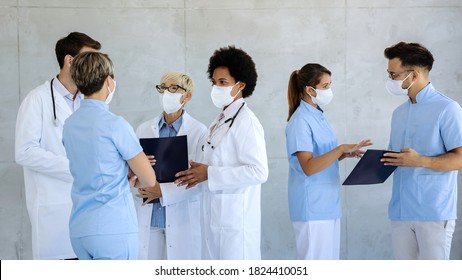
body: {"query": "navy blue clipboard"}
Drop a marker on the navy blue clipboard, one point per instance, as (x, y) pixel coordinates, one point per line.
(171, 154)
(370, 170)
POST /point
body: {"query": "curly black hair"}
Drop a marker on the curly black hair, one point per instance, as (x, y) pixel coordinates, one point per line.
(240, 65)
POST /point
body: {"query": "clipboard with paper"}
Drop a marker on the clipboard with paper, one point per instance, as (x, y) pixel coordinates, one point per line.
(370, 170)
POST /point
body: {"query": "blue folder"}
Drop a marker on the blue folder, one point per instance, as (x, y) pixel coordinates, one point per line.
(370, 170)
(171, 154)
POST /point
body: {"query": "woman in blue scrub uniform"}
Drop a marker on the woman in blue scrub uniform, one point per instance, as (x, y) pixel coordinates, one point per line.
(101, 147)
(313, 154)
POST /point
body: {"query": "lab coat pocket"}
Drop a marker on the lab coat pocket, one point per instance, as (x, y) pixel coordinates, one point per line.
(227, 211)
(52, 231)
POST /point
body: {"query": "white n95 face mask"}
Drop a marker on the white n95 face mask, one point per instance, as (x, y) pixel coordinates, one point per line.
(111, 94)
(221, 96)
(395, 87)
(323, 96)
(170, 101)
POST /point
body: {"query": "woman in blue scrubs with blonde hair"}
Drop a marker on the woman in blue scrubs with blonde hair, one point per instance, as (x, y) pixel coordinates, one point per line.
(101, 148)
(313, 154)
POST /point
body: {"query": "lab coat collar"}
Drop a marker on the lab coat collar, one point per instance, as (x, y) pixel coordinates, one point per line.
(59, 87)
(176, 124)
(231, 110)
(181, 131)
(185, 123)
(59, 91)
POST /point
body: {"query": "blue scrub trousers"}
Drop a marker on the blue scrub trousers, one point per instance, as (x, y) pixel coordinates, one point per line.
(106, 247)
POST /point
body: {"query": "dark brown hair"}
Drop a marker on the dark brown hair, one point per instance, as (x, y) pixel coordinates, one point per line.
(72, 44)
(309, 75)
(411, 54)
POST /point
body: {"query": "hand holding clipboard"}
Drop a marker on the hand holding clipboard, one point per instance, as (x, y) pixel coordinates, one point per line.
(370, 169)
(170, 157)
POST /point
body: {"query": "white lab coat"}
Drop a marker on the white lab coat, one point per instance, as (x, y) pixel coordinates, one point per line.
(48, 181)
(231, 210)
(182, 225)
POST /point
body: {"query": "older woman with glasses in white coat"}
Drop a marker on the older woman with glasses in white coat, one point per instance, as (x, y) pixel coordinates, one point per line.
(164, 222)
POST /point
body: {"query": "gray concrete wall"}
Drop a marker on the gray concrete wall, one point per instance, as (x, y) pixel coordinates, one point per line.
(146, 38)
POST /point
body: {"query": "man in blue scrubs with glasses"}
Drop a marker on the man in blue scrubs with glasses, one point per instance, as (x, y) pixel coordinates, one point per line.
(427, 131)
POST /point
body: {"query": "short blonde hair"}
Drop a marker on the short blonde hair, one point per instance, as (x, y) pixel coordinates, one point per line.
(182, 79)
(89, 70)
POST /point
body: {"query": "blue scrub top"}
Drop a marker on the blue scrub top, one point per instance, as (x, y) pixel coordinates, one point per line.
(432, 127)
(315, 197)
(98, 144)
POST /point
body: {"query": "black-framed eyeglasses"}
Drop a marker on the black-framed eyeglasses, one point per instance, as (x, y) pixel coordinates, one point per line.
(172, 88)
(394, 75)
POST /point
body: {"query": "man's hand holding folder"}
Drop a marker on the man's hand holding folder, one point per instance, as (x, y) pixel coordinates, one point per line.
(371, 169)
(406, 157)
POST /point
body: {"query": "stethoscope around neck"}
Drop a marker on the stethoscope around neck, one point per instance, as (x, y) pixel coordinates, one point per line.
(230, 121)
(55, 120)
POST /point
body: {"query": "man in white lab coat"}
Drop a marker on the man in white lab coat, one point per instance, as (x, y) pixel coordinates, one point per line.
(169, 228)
(39, 149)
(233, 164)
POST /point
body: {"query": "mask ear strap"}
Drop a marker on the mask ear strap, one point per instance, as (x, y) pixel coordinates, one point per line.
(238, 82)
(107, 85)
(308, 91)
(408, 76)
(184, 102)
(236, 94)
(107, 82)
